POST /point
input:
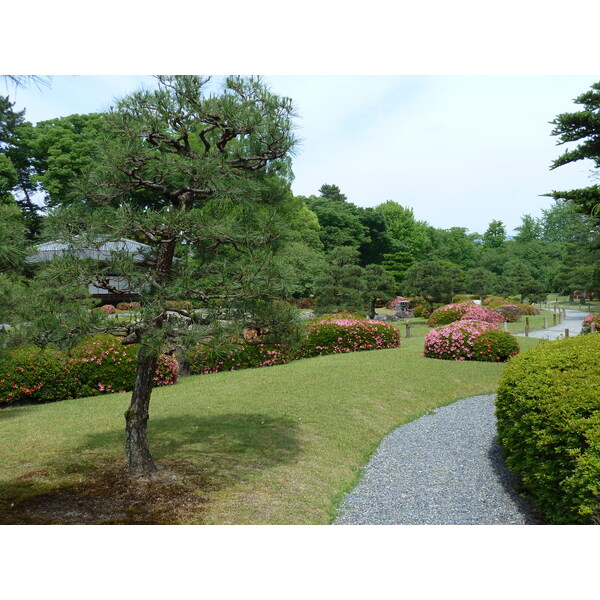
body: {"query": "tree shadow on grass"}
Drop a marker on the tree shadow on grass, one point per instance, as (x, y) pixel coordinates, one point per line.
(196, 457)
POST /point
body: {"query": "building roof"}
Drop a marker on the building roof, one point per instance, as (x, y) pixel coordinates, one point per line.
(102, 251)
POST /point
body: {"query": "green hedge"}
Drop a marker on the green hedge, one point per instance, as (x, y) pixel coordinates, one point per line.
(548, 410)
(99, 365)
(28, 373)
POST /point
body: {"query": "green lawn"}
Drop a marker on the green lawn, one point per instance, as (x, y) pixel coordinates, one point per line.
(276, 445)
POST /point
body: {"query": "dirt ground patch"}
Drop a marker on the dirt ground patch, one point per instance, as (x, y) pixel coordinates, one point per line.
(108, 496)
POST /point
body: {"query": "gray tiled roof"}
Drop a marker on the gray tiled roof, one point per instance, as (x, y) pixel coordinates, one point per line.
(101, 251)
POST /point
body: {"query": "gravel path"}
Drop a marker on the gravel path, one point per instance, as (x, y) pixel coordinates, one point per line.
(445, 468)
(442, 469)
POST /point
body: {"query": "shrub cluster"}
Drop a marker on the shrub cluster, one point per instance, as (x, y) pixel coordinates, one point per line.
(245, 353)
(548, 410)
(129, 306)
(510, 312)
(100, 365)
(588, 320)
(28, 373)
(448, 313)
(337, 335)
(497, 301)
(470, 340)
(103, 365)
(482, 313)
(108, 308)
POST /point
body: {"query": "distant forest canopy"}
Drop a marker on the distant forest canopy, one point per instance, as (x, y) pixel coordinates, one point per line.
(555, 252)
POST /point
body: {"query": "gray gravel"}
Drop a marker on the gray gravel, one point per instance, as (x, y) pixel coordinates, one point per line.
(442, 469)
(445, 468)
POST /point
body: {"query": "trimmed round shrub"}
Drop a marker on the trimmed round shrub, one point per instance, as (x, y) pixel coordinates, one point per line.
(28, 373)
(482, 313)
(470, 340)
(337, 336)
(548, 411)
(494, 345)
(103, 365)
(510, 312)
(448, 313)
(588, 320)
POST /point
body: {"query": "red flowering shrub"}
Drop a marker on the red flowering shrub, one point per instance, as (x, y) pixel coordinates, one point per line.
(470, 340)
(246, 353)
(108, 308)
(100, 365)
(340, 335)
(129, 306)
(449, 313)
(482, 313)
(28, 373)
(510, 312)
(496, 301)
(588, 320)
(103, 365)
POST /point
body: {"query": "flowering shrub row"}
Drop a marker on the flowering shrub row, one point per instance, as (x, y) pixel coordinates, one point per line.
(244, 354)
(496, 301)
(334, 333)
(470, 340)
(101, 365)
(340, 335)
(588, 320)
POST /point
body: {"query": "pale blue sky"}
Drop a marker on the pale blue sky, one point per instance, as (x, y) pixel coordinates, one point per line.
(460, 150)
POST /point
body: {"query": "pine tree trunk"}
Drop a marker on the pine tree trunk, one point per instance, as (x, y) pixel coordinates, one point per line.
(139, 458)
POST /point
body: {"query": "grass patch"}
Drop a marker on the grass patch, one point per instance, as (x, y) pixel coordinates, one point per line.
(276, 445)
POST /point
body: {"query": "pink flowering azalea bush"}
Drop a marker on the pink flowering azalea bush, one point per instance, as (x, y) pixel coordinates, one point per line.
(109, 309)
(449, 313)
(470, 340)
(588, 320)
(482, 313)
(100, 365)
(28, 373)
(103, 365)
(339, 335)
(245, 353)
